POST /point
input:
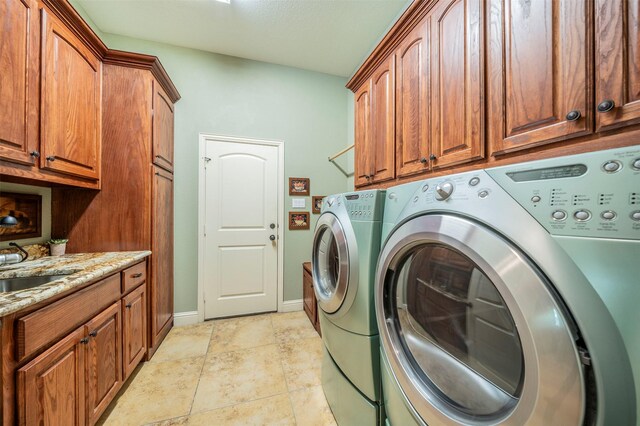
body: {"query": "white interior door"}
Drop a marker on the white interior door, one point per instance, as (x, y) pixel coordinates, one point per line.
(241, 229)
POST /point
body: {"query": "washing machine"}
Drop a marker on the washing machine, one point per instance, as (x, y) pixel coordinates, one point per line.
(509, 295)
(345, 250)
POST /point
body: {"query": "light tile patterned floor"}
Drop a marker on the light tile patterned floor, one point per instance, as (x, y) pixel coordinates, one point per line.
(258, 370)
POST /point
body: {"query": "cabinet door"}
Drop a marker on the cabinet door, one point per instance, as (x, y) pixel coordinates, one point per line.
(617, 60)
(383, 121)
(538, 72)
(309, 296)
(134, 329)
(19, 80)
(161, 290)
(70, 108)
(456, 82)
(363, 135)
(51, 387)
(412, 101)
(162, 129)
(103, 360)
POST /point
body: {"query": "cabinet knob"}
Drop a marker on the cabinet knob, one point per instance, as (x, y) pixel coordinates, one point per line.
(94, 333)
(424, 160)
(367, 177)
(432, 157)
(573, 115)
(84, 340)
(606, 105)
(128, 306)
(35, 154)
(51, 158)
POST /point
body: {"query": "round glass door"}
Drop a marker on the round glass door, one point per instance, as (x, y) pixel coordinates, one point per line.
(473, 333)
(330, 263)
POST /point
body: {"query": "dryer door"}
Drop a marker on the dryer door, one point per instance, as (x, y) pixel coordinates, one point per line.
(334, 263)
(473, 332)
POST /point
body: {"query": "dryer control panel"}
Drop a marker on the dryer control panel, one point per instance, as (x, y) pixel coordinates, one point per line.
(589, 195)
(364, 205)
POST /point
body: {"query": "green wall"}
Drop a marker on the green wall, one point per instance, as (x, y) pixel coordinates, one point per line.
(228, 96)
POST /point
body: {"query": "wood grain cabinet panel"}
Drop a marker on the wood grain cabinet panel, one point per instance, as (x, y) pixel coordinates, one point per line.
(51, 388)
(363, 135)
(103, 360)
(538, 72)
(19, 80)
(383, 121)
(617, 61)
(456, 82)
(162, 129)
(161, 290)
(412, 102)
(70, 103)
(134, 329)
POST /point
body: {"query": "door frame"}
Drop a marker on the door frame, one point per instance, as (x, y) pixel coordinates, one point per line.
(203, 138)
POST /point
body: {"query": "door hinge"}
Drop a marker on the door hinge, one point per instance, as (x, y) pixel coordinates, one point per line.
(206, 161)
(204, 230)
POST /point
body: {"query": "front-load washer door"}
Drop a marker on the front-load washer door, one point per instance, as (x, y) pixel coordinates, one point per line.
(473, 331)
(334, 264)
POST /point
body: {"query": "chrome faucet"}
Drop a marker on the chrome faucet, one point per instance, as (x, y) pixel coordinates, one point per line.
(9, 222)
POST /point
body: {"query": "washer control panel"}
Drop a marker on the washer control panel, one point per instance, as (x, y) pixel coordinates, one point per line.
(590, 195)
(365, 205)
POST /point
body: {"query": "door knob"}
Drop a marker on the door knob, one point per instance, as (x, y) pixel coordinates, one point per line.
(272, 226)
(272, 237)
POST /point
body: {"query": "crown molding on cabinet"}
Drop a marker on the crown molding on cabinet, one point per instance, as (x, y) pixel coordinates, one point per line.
(407, 22)
(71, 18)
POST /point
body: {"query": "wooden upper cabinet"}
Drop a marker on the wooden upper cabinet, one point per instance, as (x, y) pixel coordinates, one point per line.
(412, 102)
(51, 388)
(162, 129)
(617, 61)
(383, 121)
(538, 71)
(457, 82)
(103, 360)
(70, 103)
(161, 289)
(363, 135)
(19, 80)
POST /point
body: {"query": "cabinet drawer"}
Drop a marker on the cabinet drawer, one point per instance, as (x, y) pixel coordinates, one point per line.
(134, 276)
(52, 322)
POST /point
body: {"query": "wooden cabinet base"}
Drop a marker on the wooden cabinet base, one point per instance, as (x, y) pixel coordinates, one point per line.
(310, 303)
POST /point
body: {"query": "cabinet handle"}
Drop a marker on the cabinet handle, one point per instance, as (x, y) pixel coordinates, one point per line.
(606, 105)
(128, 305)
(35, 154)
(84, 340)
(367, 177)
(51, 158)
(573, 115)
(424, 160)
(138, 275)
(432, 157)
(94, 333)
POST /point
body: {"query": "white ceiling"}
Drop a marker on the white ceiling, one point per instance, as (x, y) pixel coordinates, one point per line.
(330, 36)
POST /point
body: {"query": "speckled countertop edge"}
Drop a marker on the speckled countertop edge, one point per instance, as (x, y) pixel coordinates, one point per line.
(81, 268)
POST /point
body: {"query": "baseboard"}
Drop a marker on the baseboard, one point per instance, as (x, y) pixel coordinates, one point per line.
(185, 318)
(291, 306)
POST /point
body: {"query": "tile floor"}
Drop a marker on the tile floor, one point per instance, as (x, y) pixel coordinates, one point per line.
(258, 370)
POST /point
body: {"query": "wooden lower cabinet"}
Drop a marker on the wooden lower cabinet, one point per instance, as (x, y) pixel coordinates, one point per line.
(310, 303)
(51, 387)
(71, 379)
(103, 360)
(134, 329)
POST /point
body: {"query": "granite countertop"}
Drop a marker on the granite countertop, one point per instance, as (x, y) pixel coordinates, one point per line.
(79, 269)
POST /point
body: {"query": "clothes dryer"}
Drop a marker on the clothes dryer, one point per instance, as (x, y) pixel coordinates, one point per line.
(345, 250)
(509, 296)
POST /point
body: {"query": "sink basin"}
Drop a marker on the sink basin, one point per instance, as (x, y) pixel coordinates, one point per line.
(23, 283)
